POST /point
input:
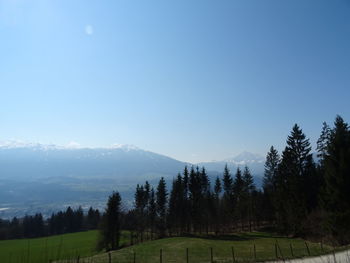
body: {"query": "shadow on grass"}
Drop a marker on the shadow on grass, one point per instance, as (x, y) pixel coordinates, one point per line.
(237, 237)
(231, 237)
(260, 235)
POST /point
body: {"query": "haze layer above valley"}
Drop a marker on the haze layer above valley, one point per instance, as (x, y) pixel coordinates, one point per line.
(37, 177)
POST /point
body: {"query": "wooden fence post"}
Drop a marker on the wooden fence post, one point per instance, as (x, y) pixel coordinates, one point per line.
(280, 250)
(307, 248)
(109, 257)
(233, 255)
(211, 255)
(291, 249)
(161, 256)
(254, 253)
(186, 255)
(78, 258)
(276, 252)
(134, 257)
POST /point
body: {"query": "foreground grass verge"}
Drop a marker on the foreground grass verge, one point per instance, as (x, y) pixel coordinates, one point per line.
(50, 248)
(53, 248)
(248, 247)
(244, 247)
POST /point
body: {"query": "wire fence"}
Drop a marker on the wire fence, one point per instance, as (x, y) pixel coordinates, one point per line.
(253, 253)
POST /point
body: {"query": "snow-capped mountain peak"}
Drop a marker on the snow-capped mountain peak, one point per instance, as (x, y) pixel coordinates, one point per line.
(125, 147)
(17, 144)
(246, 158)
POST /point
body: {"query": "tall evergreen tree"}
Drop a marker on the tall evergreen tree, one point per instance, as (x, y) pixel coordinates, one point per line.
(161, 201)
(205, 200)
(248, 189)
(337, 181)
(271, 167)
(15, 228)
(293, 171)
(217, 205)
(78, 219)
(152, 212)
(238, 193)
(130, 223)
(186, 208)
(217, 187)
(146, 196)
(323, 142)
(227, 200)
(175, 202)
(110, 227)
(227, 182)
(248, 181)
(92, 218)
(269, 184)
(69, 220)
(141, 202)
(194, 189)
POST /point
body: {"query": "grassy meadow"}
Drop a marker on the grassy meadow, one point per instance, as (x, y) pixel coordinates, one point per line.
(50, 248)
(239, 247)
(53, 248)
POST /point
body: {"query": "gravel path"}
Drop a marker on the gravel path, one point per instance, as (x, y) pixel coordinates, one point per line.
(339, 257)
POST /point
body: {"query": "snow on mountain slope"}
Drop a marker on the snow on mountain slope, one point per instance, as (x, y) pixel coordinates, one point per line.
(255, 163)
(33, 160)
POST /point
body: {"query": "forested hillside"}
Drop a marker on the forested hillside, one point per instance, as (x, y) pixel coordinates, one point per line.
(299, 197)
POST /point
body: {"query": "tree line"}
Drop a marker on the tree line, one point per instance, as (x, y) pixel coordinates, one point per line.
(309, 198)
(300, 196)
(31, 226)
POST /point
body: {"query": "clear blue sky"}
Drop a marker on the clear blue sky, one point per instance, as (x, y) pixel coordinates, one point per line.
(195, 80)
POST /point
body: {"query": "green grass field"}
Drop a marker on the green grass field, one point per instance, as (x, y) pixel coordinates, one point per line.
(69, 246)
(199, 249)
(52, 248)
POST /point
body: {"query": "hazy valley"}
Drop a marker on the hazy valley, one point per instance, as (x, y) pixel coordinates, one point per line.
(48, 178)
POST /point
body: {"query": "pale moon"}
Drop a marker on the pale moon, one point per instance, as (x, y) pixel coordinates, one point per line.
(89, 30)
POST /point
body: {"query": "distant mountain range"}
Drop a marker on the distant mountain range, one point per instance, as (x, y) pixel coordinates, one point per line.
(37, 177)
(255, 162)
(126, 162)
(46, 161)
